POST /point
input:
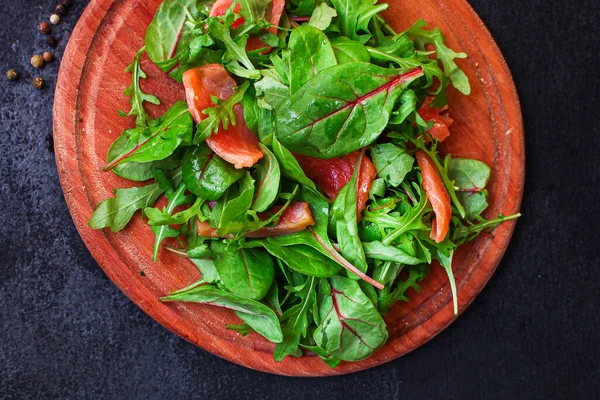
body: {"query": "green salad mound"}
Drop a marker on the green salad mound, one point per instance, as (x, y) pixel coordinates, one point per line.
(301, 175)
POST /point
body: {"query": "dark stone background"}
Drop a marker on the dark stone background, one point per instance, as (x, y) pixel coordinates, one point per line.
(68, 332)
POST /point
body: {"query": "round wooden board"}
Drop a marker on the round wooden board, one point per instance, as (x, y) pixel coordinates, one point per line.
(90, 91)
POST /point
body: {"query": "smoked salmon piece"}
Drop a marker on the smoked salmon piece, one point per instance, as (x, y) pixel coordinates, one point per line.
(441, 122)
(237, 144)
(437, 195)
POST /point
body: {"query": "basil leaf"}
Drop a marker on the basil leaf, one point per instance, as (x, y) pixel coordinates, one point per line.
(341, 109)
(321, 16)
(159, 141)
(248, 273)
(347, 50)
(351, 328)
(267, 176)
(311, 51)
(206, 174)
(471, 177)
(391, 162)
(258, 316)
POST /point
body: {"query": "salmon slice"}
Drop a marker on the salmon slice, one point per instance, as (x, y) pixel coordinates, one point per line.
(437, 195)
(441, 122)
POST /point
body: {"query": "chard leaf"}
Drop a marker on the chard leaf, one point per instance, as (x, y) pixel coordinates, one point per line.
(471, 177)
(311, 51)
(351, 329)
(267, 176)
(206, 174)
(391, 162)
(341, 109)
(258, 316)
(159, 141)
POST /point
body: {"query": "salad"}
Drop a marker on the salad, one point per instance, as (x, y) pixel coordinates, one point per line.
(301, 170)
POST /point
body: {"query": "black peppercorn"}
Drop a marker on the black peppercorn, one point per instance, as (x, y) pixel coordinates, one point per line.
(52, 42)
(65, 3)
(61, 10)
(44, 27)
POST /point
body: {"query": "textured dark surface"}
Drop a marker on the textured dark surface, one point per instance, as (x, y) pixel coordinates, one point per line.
(68, 332)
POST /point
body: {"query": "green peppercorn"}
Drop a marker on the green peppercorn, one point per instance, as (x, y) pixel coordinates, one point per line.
(38, 83)
(37, 61)
(12, 75)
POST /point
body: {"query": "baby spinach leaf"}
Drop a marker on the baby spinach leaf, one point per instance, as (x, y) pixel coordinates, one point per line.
(347, 50)
(271, 93)
(354, 17)
(321, 16)
(301, 258)
(289, 165)
(236, 202)
(471, 177)
(258, 316)
(168, 33)
(351, 329)
(422, 37)
(251, 110)
(207, 269)
(136, 96)
(341, 109)
(344, 214)
(296, 319)
(267, 176)
(311, 51)
(380, 251)
(134, 171)
(391, 162)
(206, 174)
(159, 141)
(248, 273)
(115, 213)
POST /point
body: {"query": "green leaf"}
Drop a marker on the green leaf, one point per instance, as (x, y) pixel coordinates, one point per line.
(296, 319)
(351, 329)
(168, 34)
(254, 11)
(267, 176)
(341, 109)
(422, 37)
(301, 258)
(354, 17)
(415, 274)
(206, 174)
(391, 162)
(258, 316)
(271, 93)
(380, 251)
(159, 141)
(289, 165)
(163, 217)
(347, 50)
(344, 214)
(248, 273)
(322, 16)
(471, 177)
(311, 53)
(207, 269)
(220, 115)
(236, 202)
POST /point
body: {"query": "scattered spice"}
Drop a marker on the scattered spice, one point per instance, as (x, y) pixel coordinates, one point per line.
(65, 3)
(44, 27)
(37, 61)
(52, 42)
(48, 57)
(38, 83)
(61, 10)
(12, 75)
(50, 143)
(142, 273)
(54, 19)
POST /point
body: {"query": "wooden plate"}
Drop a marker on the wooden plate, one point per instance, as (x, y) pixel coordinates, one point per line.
(90, 91)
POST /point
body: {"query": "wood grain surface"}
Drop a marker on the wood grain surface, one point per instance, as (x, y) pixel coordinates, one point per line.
(89, 92)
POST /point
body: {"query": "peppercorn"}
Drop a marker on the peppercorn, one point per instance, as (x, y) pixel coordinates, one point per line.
(47, 56)
(52, 42)
(61, 10)
(65, 3)
(54, 19)
(38, 83)
(12, 75)
(37, 61)
(44, 27)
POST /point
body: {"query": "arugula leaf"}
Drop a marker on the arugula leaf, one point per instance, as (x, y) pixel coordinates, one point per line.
(164, 217)
(258, 316)
(311, 51)
(248, 273)
(344, 215)
(136, 96)
(445, 55)
(159, 141)
(391, 162)
(351, 329)
(220, 115)
(296, 319)
(267, 176)
(415, 275)
(341, 109)
(354, 17)
(206, 174)
(466, 233)
(347, 50)
(321, 16)
(471, 177)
